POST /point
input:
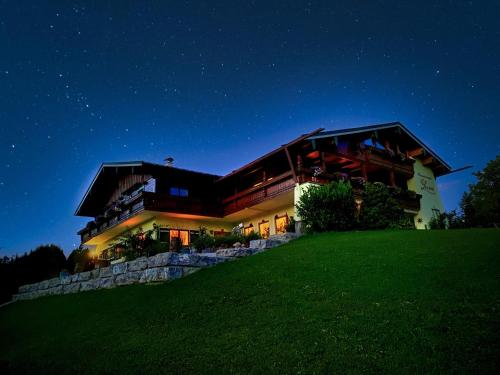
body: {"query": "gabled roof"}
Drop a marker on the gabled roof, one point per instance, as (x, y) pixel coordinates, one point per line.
(110, 171)
(281, 148)
(370, 128)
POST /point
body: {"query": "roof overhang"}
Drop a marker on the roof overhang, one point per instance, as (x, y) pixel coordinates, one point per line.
(102, 176)
(271, 153)
(371, 128)
(106, 181)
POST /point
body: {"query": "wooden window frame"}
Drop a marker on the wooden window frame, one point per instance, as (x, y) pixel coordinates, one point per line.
(285, 215)
(268, 228)
(251, 227)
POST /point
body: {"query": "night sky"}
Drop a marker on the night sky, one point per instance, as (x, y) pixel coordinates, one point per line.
(217, 84)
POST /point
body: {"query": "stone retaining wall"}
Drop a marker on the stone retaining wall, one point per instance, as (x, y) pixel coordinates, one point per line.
(160, 267)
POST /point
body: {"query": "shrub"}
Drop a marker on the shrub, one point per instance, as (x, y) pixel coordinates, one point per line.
(328, 207)
(290, 228)
(251, 236)
(228, 241)
(204, 241)
(379, 210)
(175, 244)
(447, 220)
(140, 243)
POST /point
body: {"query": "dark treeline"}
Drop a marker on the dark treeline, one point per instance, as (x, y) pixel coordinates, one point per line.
(44, 262)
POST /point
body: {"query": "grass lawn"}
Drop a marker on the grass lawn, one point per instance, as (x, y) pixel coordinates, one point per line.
(396, 301)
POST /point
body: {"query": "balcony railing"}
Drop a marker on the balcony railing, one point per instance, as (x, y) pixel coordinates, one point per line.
(182, 205)
(258, 194)
(95, 228)
(154, 202)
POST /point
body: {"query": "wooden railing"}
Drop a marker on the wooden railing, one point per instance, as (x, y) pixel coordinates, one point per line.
(258, 194)
(154, 202)
(182, 205)
(95, 228)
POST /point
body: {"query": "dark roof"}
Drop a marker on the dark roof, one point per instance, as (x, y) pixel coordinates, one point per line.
(363, 129)
(104, 177)
(151, 168)
(282, 147)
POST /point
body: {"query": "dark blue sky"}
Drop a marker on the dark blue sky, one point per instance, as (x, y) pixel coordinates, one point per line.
(217, 84)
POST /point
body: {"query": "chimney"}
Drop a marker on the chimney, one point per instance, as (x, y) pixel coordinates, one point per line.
(169, 162)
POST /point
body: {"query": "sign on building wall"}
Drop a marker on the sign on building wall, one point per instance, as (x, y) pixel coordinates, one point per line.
(424, 183)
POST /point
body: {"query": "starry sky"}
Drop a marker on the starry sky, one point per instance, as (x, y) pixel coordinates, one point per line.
(216, 84)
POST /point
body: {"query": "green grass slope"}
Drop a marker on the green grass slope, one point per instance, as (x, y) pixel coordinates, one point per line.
(397, 302)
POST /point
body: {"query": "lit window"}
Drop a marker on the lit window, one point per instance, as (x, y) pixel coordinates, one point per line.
(174, 191)
(183, 192)
(264, 229)
(182, 234)
(248, 230)
(281, 223)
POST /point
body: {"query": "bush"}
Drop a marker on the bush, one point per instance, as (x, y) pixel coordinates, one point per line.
(328, 207)
(175, 244)
(251, 236)
(204, 241)
(379, 210)
(290, 228)
(228, 241)
(447, 220)
(140, 243)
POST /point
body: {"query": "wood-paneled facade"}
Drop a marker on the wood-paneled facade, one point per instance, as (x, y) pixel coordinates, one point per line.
(385, 153)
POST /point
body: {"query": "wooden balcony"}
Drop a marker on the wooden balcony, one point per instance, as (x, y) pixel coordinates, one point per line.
(259, 193)
(408, 199)
(142, 201)
(181, 205)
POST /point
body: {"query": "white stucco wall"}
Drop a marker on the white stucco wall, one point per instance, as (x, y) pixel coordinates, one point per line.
(424, 182)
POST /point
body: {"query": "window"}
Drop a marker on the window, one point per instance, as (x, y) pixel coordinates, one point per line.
(174, 191)
(281, 223)
(264, 229)
(193, 235)
(179, 192)
(182, 234)
(164, 235)
(220, 233)
(150, 185)
(248, 230)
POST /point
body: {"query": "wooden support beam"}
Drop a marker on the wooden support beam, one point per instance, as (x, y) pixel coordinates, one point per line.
(428, 160)
(351, 165)
(416, 152)
(392, 178)
(363, 171)
(292, 168)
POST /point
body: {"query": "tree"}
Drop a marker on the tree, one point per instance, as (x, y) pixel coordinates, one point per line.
(328, 207)
(379, 209)
(481, 205)
(45, 262)
(79, 260)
